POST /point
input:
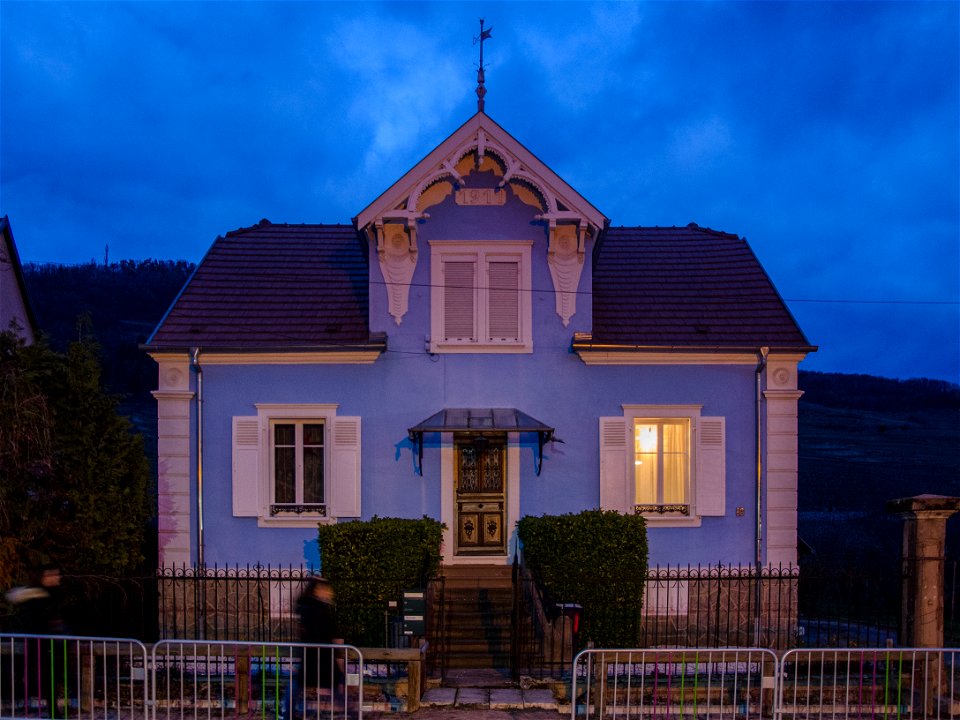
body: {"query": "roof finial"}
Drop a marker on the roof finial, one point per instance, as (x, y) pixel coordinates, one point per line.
(481, 90)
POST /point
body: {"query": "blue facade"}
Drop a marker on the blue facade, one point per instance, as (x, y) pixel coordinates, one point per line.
(554, 383)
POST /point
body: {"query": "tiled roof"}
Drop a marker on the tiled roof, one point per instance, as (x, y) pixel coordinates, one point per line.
(305, 287)
(686, 287)
(274, 286)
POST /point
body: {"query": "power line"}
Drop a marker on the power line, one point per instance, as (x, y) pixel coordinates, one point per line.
(874, 302)
(534, 290)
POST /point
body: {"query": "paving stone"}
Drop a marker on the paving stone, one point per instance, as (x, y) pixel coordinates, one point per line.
(439, 697)
(539, 699)
(471, 697)
(506, 699)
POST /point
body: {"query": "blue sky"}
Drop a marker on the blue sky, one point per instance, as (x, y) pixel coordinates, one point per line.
(826, 133)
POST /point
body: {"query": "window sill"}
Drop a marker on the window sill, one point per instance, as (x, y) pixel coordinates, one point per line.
(657, 520)
(303, 520)
(481, 348)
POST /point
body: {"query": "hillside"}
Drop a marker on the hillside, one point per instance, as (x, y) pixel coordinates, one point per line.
(118, 305)
(863, 440)
(866, 440)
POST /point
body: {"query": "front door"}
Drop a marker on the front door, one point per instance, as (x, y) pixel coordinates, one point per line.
(480, 483)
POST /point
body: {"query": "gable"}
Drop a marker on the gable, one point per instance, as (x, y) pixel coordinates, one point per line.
(480, 138)
(14, 302)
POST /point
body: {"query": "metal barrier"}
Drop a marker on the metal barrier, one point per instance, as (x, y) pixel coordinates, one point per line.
(869, 682)
(276, 680)
(901, 683)
(728, 682)
(59, 676)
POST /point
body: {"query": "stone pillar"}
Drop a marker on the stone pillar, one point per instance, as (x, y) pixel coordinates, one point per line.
(780, 461)
(924, 540)
(174, 456)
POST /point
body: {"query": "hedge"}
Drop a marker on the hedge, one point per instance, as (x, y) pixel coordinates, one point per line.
(370, 562)
(595, 558)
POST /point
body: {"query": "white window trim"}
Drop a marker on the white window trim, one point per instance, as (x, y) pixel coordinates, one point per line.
(253, 458)
(631, 414)
(267, 415)
(479, 251)
(617, 480)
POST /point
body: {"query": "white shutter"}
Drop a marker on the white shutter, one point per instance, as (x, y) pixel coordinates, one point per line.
(458, 292)
(616, 489)
(711, 466)
(344, 482)
(503, 302)
(246, 466)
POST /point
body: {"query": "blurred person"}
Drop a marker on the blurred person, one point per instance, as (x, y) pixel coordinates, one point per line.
(317, 669)
(38, 612)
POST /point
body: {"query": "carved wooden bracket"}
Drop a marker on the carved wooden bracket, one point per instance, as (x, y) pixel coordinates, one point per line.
(397, 253)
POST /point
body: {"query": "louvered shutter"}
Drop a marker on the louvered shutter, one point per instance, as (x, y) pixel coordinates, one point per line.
(616, 489)
(503, 301)
(246, 466)
(458, 300)
(344, 483)
(711, 466)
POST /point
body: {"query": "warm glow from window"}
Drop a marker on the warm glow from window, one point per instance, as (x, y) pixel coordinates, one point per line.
(662, 461)
(646, 438)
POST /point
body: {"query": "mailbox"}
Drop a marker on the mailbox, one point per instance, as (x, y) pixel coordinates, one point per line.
(414, 610)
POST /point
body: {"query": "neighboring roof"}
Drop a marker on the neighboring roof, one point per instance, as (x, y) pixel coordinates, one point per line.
(266, 287)
(10, 251)
(685, 288)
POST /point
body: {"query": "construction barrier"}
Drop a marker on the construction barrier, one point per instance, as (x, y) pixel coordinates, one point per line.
(807, 684)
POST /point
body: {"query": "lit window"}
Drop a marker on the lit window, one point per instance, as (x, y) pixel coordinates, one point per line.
(666, 462)
(662, 465)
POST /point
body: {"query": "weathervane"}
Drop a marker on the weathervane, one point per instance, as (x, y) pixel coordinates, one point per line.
(481, 90)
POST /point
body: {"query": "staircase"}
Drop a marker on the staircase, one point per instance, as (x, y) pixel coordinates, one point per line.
(477, 606)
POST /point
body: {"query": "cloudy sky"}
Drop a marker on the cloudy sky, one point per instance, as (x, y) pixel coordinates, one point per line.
(826, 133)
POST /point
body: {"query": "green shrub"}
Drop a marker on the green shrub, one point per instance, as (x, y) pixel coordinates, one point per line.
(369, 563)
(597, 559)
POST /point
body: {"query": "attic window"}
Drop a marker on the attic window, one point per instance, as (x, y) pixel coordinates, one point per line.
(480, 297)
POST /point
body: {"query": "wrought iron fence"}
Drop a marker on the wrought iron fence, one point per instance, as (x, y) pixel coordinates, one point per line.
(689, 606)
(251, 602)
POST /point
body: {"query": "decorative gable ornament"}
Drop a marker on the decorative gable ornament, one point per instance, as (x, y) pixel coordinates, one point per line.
(391, 219)
(397, 253)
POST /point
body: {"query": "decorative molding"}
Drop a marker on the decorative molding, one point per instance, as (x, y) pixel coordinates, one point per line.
(629, 357)
(397, 252)
(781, 374)
(334, 357)
(481, 196)
(565, 259)
(783, 394)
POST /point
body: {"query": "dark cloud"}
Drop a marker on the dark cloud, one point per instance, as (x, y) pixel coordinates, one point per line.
(826, 133)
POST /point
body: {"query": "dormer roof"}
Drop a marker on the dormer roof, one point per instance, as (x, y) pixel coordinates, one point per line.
(482, 137)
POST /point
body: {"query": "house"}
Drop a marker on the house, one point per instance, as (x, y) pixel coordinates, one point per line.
(479, 344)
(15, 310)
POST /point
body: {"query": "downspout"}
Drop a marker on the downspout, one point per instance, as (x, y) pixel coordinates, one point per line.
(199, 371)
(758, 540)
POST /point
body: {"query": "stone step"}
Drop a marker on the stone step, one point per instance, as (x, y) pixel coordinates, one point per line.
(493, 698)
